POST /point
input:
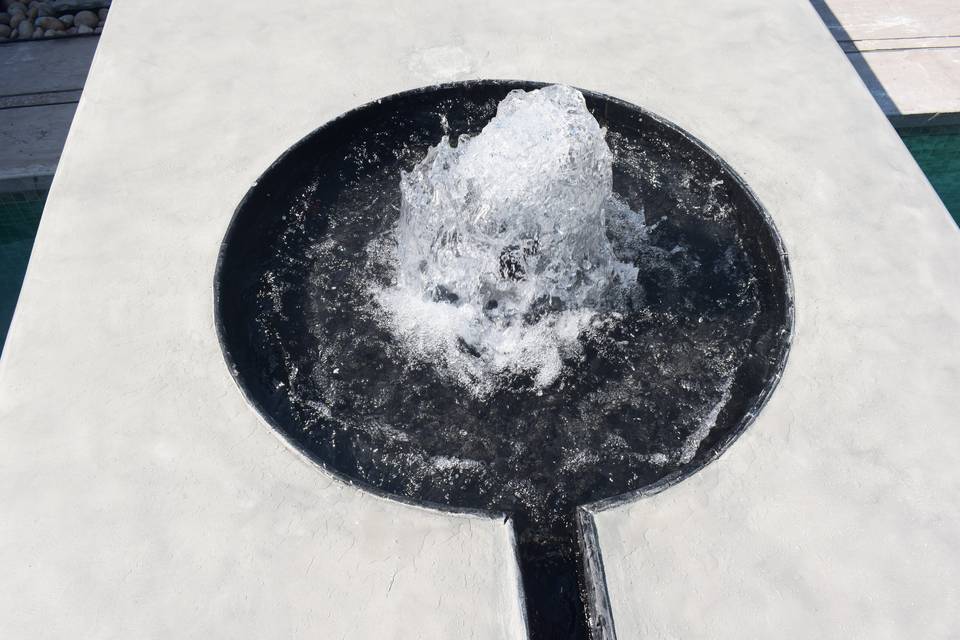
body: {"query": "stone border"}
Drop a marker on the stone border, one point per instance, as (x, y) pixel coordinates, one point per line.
(38, 20)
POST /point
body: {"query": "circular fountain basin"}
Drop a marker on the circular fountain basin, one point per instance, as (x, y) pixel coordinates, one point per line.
(662, 388)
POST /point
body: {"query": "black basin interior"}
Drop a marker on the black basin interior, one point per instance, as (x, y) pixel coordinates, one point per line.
(656, 396)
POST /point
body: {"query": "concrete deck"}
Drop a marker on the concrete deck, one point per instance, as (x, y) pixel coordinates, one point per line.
(906, 51)
(143, 497)
(40, 85)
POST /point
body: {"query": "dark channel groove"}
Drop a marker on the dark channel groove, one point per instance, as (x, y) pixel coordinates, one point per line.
(705, 344)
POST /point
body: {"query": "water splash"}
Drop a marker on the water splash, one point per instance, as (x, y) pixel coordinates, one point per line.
(502, 255)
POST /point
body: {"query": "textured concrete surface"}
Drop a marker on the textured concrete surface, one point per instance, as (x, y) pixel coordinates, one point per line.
(906, 51)
(31, 139)
(142, 497)
(888, 19)
(917, 86)
(40, 84)
(834, 515)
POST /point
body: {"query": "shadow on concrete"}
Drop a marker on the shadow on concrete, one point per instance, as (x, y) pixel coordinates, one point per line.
(859, 63)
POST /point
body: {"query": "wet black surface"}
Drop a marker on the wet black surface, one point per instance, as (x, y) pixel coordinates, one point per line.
(666, 380)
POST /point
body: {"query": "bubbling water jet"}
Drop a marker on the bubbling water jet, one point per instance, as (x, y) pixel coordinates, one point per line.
(502, 255)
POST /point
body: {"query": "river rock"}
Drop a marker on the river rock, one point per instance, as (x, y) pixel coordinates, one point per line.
(88, 18)
(16, 7)
(72, 6)
(25, 29)
(4, 18)
(84, 30)
(5, 31)
(47, 23)
(16, 19)
(67, 19)
(102, 14)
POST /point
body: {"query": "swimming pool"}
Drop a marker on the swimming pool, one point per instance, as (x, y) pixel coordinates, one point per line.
(20, 207)
(937, 151)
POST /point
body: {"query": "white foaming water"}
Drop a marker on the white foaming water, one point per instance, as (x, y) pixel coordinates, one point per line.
(502, 257)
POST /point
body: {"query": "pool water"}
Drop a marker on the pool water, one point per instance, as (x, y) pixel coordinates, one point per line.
(936, 149)
(20, 209)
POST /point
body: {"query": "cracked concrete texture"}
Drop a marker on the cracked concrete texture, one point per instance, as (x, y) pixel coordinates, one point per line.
(142, 496)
